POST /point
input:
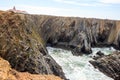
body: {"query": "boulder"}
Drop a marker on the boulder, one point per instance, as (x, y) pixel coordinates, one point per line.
(98, 55)
(109, 65)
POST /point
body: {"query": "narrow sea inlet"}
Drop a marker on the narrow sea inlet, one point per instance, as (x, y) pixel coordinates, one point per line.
(78, 67)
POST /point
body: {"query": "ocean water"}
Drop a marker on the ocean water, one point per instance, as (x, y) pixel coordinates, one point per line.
(78, 67)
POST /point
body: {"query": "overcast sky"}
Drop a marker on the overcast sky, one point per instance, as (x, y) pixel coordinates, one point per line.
(106, 9)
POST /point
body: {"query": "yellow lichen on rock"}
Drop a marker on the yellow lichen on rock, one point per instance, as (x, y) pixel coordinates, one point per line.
(5, 70)
(6, 73)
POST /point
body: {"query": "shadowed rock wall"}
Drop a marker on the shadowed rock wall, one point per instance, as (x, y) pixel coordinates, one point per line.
(77, 34)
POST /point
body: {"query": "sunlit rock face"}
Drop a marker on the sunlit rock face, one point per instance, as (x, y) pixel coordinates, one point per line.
(24, 47)
(7, 73)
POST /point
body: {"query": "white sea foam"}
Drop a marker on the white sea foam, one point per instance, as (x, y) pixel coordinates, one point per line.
(78, 67)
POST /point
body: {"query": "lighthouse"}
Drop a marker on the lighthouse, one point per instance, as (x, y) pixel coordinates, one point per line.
(17, 11)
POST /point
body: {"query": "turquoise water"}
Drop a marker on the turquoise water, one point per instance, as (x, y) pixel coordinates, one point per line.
(78, 67)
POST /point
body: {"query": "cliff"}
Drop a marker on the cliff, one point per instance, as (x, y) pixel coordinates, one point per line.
(6, 73)
(76, 34)
(24, 37)
(24, 47)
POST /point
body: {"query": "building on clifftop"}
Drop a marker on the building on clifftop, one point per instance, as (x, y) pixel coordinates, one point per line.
(17, 11)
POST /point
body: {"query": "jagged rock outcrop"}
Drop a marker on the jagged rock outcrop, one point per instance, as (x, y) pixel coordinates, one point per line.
(77, 34)
(24, 47)
(6, 73)
(24, 37)
(109, 65)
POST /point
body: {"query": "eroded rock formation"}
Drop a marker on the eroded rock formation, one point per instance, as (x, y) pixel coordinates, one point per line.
(24, 37)
(6, 73)
(77, 34)
(109, 65)
(23, 46)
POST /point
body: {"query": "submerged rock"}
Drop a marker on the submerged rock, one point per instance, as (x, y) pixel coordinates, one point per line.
(98, 55)
(6, 73)
(109, 65)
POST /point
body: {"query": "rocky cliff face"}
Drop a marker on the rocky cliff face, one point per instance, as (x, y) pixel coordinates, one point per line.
(77, 34)
(6, 73)
(24, 37)
(23, 46)
(109, 65)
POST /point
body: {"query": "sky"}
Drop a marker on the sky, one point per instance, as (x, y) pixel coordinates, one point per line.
(105, 9)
